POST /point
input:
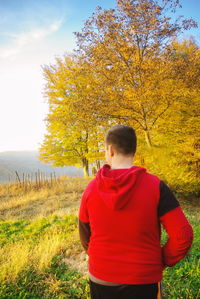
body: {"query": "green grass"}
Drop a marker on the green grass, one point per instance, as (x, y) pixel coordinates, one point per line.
(56, 281)
(49, 280)
(33, 251)
(13, 231)
(182, 280)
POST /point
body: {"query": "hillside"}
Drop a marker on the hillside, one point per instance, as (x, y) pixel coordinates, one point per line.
(27, 162)
(42, 228)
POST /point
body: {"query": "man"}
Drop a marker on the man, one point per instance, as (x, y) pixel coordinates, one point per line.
(120, 217)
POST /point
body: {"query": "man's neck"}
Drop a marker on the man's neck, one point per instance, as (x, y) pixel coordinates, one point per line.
(122, 166)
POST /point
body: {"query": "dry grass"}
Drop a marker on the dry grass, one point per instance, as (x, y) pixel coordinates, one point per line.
(62, 198)
(27, 254)
(32, 245)
(42, 254)
(13, 259)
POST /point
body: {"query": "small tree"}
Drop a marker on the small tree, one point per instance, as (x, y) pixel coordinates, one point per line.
(71, 138)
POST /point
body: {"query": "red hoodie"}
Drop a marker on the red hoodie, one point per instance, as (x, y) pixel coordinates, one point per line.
(123, 210)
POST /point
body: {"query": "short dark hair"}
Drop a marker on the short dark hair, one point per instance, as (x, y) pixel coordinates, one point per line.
(123, 138)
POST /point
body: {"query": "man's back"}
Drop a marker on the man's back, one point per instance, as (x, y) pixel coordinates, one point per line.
(120, 217)
(123, 207)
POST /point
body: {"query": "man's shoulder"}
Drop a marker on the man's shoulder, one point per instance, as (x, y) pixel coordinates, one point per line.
(90, 186)
(91, 183)
(151, 177)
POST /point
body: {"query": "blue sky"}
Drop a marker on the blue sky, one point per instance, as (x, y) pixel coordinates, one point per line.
(33, 33)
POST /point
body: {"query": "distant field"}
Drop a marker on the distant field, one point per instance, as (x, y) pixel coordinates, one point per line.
(27, 163)
(41, 255)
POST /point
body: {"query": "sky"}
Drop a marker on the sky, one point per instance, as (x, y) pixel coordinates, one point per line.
(32, 34)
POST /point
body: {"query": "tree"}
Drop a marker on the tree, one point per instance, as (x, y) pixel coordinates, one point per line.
(123, 49)
(71, 138)
(181, 131)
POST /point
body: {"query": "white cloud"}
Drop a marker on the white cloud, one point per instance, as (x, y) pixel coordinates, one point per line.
(23, 40)
(23, 50)
(4, 33)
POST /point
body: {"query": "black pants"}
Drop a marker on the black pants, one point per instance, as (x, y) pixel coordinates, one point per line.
(124, 291)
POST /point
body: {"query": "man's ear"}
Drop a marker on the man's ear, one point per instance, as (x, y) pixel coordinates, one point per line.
(111, 150)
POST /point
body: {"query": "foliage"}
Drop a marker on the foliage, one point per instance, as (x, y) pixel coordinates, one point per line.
(72, 139)
(129, 67)
(125, 50)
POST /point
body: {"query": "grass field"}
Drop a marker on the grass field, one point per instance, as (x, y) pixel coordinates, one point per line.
(41, 255)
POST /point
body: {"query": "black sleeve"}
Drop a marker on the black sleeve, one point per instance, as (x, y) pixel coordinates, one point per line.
(84, 233)
(167, 201)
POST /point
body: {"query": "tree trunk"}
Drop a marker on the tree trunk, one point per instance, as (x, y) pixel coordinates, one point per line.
(98, 164)
(148, 138)
(85, 167)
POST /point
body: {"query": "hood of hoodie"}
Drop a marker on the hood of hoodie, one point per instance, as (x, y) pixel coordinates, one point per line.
(116, 186)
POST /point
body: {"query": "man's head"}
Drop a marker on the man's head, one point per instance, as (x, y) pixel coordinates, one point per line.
(120, 145)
